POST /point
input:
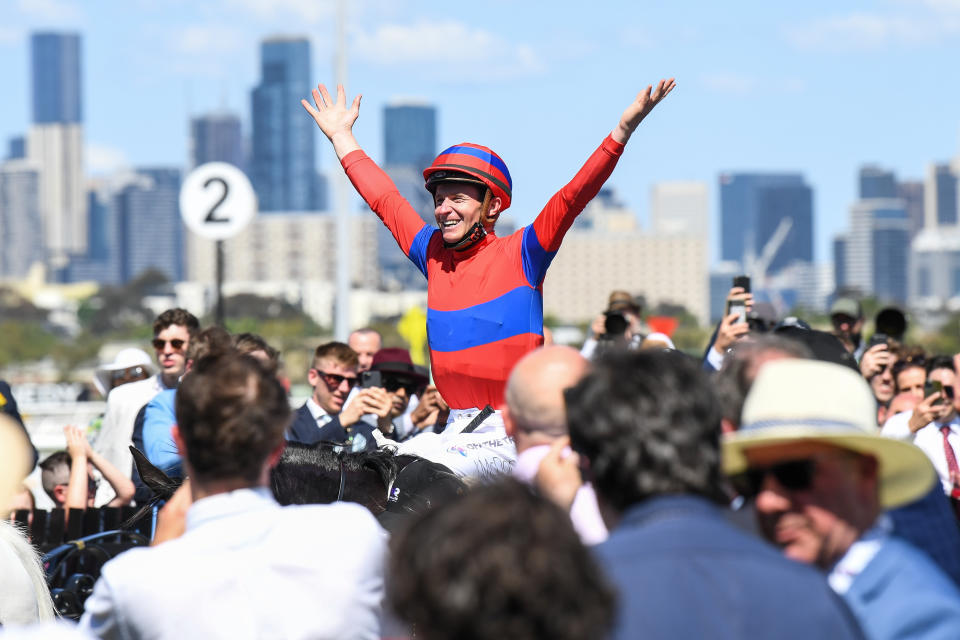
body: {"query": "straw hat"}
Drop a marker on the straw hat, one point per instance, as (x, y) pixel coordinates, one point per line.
(15, 456)
(124, 359)
(794, 400)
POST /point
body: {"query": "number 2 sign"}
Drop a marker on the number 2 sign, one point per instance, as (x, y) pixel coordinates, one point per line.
(217, 201)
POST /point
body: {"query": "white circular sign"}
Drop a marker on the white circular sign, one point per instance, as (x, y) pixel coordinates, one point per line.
(217, 201)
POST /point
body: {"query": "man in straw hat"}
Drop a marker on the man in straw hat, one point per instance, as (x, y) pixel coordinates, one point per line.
(808, 451)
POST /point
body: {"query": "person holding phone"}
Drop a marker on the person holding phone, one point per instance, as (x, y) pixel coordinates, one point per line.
(935, 424)
(323, 417)
(733, 326)
(397, 381)
(876, 366)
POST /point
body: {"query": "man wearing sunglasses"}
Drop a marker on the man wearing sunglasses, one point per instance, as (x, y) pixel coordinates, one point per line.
(325, 417)
(822, 478)
(401, 381)
(171, 336)
(646, 426)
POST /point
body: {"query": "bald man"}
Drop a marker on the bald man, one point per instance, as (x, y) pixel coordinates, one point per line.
(535, 417)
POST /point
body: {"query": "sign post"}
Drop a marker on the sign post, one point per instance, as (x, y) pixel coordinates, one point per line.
(216, 202)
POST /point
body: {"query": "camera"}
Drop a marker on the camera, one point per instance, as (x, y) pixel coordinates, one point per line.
(615, 324)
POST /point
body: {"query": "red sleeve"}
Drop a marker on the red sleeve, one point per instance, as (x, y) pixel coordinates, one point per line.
(565, 205)
(378, 191)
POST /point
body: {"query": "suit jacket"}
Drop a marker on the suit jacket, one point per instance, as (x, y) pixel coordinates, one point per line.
(8, 405)
(304, 430)
(683, 571)
(902, 594)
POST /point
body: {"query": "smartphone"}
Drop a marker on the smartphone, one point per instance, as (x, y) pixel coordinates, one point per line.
(935, 386)
(877, 338)
(742, 281)
(738, 307)
(370, 379)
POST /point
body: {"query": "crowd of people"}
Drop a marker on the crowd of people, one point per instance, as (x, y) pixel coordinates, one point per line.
(788, 483)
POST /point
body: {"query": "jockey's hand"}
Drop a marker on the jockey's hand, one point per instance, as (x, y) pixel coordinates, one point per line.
(639, 108)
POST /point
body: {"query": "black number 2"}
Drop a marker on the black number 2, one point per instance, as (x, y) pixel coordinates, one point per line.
(211, 215)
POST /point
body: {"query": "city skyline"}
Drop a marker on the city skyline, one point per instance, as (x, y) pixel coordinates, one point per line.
(818, 101)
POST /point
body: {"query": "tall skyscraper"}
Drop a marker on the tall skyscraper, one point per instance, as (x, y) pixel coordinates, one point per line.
(57, 95)
(940, 196)
(877, 248)
(55, 143)
(679, 207)
(751, 209)
(283, 169)
(911, 192)
(151, 231)
(409, 145)
(839, 261)
(877, 183)
(409, 134)
(21, 238)
(216, 137)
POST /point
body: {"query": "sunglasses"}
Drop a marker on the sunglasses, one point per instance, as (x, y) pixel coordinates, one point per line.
(393, 384)
(334, 380)
(793, 475)
(176, 343)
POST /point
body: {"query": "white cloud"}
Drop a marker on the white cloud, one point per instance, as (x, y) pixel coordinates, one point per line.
(728, 82)
(309, 11)
(11, 36)
(742, 84)
(868, 31)
(102, 159)
(447, 45)
(208, 40)
(56, 11)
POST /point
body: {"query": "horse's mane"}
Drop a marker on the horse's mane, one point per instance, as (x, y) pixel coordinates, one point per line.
(312, 474)
(12, 539)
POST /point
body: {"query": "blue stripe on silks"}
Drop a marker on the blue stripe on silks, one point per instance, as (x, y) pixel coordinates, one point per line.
(483, 155)
(418, 248)
(535, 258)
(514, 313)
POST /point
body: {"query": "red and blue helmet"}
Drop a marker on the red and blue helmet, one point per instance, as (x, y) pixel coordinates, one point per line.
(466, 162)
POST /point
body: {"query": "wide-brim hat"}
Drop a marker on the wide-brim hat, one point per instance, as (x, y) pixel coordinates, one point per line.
(397, 361)
(806, 400)
(15, 456)
(124, 359)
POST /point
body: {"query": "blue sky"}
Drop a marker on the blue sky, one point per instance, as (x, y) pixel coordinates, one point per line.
(818, 87)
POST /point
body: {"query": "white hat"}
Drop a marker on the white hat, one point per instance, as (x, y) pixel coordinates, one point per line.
(125, 359)
(15, 456)
(795, 400)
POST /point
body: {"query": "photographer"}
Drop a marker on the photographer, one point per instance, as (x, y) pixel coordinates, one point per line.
(394, 374)
(619, 325)
(732, 327)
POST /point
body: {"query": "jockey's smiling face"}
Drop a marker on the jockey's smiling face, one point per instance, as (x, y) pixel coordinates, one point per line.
(459, 205)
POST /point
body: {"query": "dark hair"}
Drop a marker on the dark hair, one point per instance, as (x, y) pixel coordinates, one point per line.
(212, 341)
(500, 562)
(940, 362)
(231, 414)
(735, 377)
(50, 470)
(177, 316)
(649, 424)
(246, 343)
(336, 351)
(311, 474)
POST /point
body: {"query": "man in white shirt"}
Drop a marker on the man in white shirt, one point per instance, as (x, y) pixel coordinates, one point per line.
(245, 566)
(535, 417)
(935, 426)
(171, 337)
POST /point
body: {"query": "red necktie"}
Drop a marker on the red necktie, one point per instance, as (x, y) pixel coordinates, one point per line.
(951, 461)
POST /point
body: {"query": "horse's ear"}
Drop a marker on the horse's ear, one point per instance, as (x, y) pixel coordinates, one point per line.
(156, 480)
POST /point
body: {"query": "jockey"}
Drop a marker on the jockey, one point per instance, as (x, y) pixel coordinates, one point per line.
(484, 292)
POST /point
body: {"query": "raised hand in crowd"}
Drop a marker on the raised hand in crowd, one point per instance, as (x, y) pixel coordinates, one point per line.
(558, 477)
(372, 400)
(82, 486)
(875, 360)
(730, 329)
(933, 407)
(644, 103)
(431, 410)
